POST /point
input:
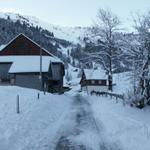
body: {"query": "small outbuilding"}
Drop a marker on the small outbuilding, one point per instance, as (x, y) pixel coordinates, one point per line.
(94, 80)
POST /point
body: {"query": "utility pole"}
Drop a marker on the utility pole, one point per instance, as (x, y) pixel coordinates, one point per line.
(134, 74)
(41, 78)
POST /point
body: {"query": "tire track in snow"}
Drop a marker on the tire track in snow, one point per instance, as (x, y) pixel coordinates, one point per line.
(81, 131)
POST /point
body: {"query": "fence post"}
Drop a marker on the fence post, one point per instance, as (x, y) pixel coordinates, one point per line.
(110, 96)
(45, 87)
(44, 92)
(116, 99)
(38, 96)
(17, 105)
(124, 102)
(146, 131)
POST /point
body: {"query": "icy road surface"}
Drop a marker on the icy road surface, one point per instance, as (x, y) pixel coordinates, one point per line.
(81, 131)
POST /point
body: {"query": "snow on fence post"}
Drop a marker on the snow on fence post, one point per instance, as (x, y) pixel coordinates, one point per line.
(38, 96)
(124, 103)
(146, 131)
(44, 89)
(116, 99)
(123, 98)
(17, 105)
(111, 96)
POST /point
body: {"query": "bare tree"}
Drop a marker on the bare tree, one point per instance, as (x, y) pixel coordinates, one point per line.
(105, 30)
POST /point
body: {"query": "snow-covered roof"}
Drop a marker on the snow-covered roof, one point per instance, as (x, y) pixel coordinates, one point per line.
(22, 64)
(2, 47)
(95, 74)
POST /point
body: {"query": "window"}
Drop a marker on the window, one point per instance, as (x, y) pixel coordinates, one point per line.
(92, 82)
(99, 82)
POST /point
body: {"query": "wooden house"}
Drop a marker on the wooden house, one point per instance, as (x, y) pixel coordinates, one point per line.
(20, 63)
(94, 80)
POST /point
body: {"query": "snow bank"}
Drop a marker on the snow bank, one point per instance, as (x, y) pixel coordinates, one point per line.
(129, 127)
(37, 123)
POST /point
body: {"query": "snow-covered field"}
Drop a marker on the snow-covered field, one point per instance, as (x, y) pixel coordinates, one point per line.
(126, 126)
(39, 119)
(55, 122)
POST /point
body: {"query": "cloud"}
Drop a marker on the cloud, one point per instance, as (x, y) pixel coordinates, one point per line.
(7, 10)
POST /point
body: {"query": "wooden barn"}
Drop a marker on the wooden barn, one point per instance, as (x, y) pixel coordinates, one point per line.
(23, 45)
(94, 80)
(21, 64)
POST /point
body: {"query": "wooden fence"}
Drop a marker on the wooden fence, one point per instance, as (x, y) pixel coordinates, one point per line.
(111, 95)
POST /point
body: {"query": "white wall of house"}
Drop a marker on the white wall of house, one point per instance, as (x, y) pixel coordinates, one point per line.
(91, 88)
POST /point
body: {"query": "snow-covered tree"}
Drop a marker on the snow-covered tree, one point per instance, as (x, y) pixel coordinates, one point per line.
(140, 53)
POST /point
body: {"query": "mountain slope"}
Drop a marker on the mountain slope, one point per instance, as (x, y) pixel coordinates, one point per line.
(57, 39)
(71, 34)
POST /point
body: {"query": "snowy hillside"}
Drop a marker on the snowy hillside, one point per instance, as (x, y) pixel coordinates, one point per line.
(72, 34)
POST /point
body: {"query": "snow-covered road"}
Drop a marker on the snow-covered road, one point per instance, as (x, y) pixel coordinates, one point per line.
(83, 131)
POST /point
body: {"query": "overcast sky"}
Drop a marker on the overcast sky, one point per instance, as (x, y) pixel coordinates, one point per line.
(73, 12)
